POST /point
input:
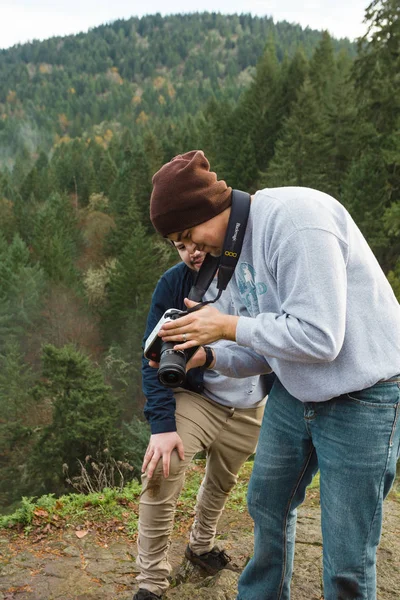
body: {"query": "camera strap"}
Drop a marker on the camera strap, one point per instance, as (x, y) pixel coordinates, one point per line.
(232, 247)
(204, 278)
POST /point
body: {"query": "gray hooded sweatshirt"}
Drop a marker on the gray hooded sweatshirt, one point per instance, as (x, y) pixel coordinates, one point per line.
(314, 304)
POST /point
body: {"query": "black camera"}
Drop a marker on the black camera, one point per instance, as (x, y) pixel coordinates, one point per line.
(172, 370)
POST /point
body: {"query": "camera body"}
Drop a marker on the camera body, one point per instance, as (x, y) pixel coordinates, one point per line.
(172, 370)
(152, 349)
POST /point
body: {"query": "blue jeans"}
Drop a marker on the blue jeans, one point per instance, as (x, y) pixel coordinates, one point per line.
(354, 440)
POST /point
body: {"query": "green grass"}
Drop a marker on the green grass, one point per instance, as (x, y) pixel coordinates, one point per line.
(73, 510)
(76, 509)
(121, 507)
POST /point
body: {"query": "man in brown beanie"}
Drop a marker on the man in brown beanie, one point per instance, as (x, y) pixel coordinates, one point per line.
(315, 307)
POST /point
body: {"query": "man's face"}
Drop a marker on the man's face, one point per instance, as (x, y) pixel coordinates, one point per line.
(193, 260)
(208, 237)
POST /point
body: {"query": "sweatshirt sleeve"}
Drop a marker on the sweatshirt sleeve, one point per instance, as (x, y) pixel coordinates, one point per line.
(160, 404)
(309, 268)
(236, 361)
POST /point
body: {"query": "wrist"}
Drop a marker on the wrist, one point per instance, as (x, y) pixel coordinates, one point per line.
(210, 357)
(229, 327)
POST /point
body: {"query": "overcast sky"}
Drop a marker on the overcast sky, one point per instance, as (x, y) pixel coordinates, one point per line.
(25, 20)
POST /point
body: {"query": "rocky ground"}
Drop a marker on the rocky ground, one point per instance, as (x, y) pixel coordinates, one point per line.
(89, 565)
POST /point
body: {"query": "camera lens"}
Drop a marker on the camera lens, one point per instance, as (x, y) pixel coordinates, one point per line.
(171, 378)
(172, 369)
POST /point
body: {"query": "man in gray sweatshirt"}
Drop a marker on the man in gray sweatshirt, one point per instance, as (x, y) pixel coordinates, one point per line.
(314, 307)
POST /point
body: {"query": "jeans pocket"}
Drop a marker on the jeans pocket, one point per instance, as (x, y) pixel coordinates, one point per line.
(382, 399)
(379, 396)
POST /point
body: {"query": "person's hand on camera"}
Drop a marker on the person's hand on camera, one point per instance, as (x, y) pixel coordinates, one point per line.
(197, 360)
(161, 446)
(199, 328)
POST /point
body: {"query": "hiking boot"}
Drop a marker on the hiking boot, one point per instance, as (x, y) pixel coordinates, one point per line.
(212, 561)
(143, 594)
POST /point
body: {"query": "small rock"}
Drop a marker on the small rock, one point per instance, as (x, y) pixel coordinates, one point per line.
(71, 551)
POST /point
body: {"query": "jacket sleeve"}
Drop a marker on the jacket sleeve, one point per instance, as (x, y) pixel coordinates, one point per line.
(160, 402)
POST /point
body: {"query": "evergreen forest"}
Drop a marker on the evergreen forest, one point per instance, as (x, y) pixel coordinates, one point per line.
(85, 121)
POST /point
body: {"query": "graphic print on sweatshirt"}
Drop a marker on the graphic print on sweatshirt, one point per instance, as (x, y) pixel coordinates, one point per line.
(248, 287)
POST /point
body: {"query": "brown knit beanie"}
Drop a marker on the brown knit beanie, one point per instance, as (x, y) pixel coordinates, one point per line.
(186, 193)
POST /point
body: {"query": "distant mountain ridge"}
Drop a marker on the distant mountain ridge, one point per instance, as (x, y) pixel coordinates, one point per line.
(132, 70)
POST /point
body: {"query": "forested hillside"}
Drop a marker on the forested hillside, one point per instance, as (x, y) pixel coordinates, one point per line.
(84, 123)
(131, 72)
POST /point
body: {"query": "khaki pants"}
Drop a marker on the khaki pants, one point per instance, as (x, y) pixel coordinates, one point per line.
(229, 437)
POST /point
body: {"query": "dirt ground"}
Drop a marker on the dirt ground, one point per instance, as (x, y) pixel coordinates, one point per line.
(98, 566)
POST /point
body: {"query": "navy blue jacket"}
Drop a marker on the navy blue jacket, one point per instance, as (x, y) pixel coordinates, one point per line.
(170, 292)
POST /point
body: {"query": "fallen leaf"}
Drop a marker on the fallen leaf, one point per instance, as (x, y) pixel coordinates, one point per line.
(39, 512)
(81, 534)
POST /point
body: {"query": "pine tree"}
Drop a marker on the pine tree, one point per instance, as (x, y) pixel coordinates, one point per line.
(18, 416)
(377, 82)
(21, 287)
(299, 155)
(375, 73)
(16, 379)
(73, 172)
(42, 167)
(264, 104)
(24, 210)
(342, 125)
(7, 189)
(132, 281)
(246, 166)
(107, 173)
(322, 70)
(22, 166)
(8, 226)
(56, 239)
(365, 194)
(85, 417)
(154, 152)
(257, 115)
(377, 65)
(141, 179)
(123, 207)
(293, 76)
(215, 127)
(30, 185)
